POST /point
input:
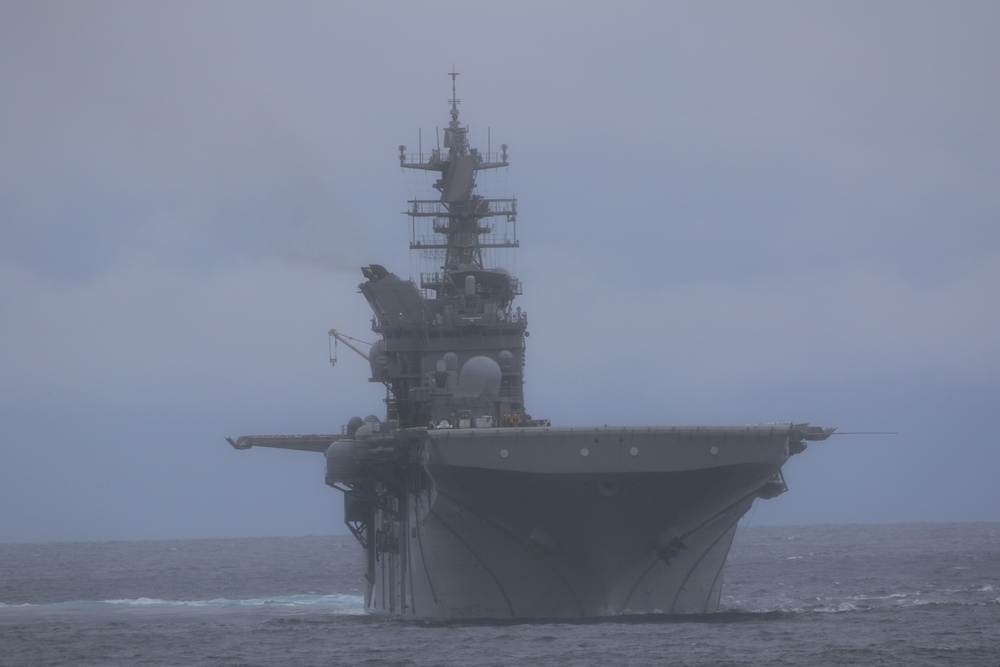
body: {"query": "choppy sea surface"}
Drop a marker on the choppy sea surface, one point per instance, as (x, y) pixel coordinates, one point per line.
(913, 594)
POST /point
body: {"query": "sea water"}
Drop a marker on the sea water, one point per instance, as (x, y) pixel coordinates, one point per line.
(914, 594)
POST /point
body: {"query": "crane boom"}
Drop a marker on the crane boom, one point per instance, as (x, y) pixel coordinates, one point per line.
(346, 340)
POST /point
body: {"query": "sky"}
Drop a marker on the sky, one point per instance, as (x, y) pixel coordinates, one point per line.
(728, 212)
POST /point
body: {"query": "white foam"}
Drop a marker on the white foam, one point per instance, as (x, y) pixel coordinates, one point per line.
(336, 603)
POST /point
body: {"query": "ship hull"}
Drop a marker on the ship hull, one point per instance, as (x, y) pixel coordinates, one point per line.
(468, 507)
(570, 523)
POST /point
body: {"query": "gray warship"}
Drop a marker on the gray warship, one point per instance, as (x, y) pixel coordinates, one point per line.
(465, 505)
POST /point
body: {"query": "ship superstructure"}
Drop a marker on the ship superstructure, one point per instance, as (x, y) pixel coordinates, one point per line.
(465, 505)
(451, 352)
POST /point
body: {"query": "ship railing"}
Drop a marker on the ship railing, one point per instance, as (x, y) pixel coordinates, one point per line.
(438, 241)
(435, 158)
(430, 281)
(479, 208)
(515, 316)
(434, 280)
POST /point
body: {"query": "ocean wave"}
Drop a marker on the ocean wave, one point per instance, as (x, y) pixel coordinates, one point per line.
(336, 603)
(859, 603)
(887, 596)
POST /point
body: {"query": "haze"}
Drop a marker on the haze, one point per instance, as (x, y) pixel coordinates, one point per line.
(729, 213)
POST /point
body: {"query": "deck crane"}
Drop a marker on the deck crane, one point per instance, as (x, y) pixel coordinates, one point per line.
(346, 340)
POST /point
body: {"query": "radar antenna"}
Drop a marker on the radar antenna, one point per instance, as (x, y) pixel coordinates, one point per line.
(452, 231)
(454, 99)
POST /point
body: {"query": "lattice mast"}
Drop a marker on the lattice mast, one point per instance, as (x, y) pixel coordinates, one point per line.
(461, 223)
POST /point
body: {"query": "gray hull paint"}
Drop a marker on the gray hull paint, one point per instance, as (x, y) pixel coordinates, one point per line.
(466, 505)
(492, 537)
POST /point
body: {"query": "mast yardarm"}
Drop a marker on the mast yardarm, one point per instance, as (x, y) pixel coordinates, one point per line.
(462, 223)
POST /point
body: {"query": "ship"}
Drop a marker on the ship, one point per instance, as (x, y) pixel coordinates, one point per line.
(466, 506)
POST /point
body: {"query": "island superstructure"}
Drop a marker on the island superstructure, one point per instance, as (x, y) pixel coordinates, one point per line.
(468, 507)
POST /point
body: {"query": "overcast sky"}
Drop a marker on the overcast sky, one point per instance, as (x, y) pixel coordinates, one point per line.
(729, 213)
